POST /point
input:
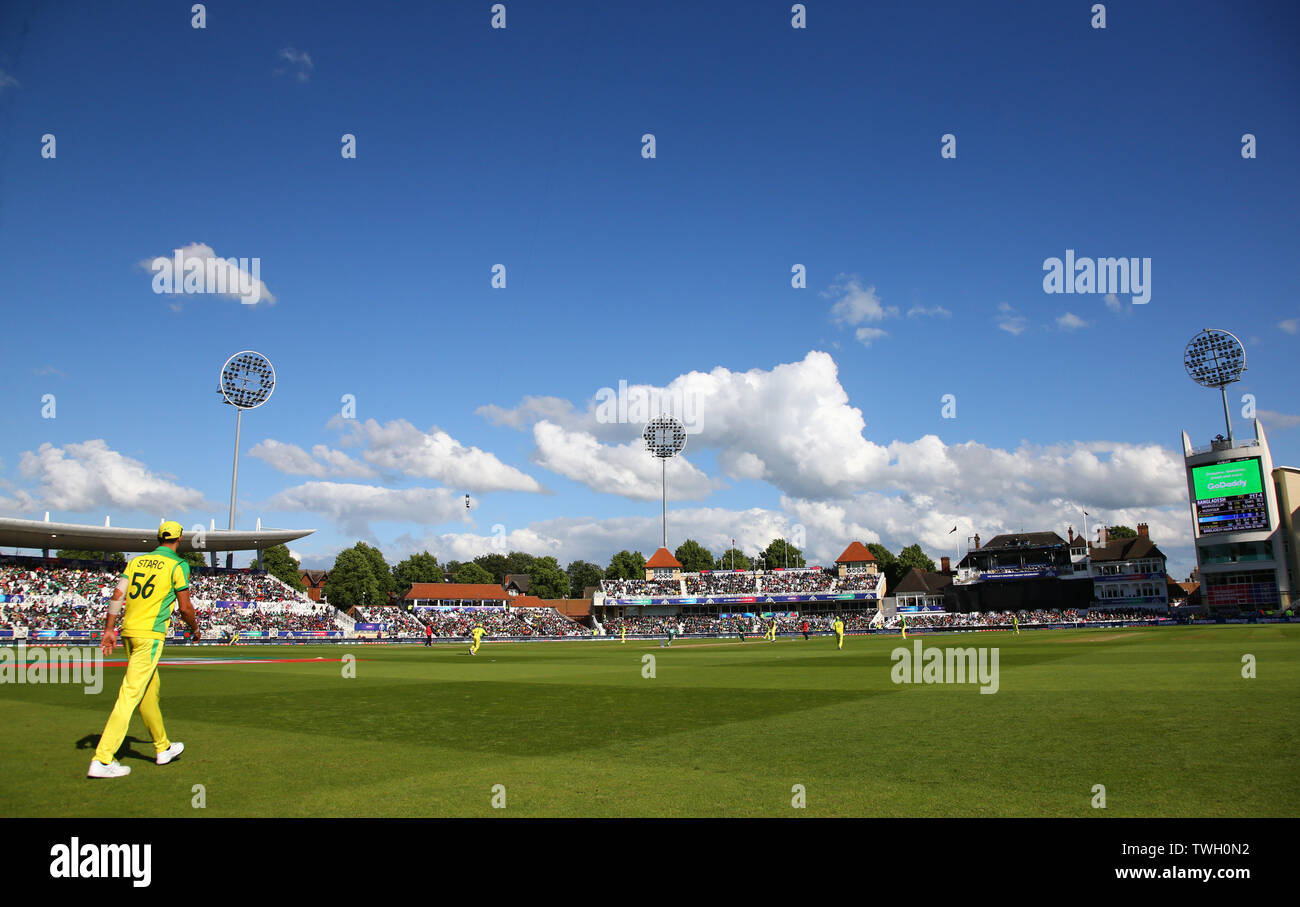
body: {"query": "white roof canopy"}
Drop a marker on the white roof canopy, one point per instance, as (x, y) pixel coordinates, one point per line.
(45, 534)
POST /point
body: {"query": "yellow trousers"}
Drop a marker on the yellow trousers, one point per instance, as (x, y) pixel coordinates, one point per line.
(139, 690)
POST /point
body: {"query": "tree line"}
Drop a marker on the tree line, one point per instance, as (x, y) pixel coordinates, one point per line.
(361, 575)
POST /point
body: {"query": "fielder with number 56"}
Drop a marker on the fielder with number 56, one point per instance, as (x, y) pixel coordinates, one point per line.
(150, 586)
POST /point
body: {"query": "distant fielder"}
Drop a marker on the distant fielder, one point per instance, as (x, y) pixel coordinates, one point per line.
(838, 627)
(478, 633)
(151, 585)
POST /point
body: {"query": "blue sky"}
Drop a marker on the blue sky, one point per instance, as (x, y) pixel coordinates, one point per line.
(820, 408)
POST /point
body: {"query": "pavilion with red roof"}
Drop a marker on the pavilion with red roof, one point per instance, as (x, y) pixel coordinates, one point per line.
(663, 566)
(857, 558)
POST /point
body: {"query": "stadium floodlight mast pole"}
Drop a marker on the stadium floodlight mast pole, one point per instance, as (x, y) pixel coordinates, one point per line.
(664, 438)
(246, 382)
(1216, 358)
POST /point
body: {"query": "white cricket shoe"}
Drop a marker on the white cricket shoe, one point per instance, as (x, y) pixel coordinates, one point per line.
(112, 770)
(170, 753)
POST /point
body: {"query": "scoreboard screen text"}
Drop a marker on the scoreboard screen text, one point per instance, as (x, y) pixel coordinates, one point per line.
(1230, 496)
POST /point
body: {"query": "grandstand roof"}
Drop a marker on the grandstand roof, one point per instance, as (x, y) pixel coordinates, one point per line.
(46, 534)
(662, 558)
(1126, 549)
(1024, 540)
(573, 608)
(918, 580)
(521, 581)
(459, 592)
(856, 553)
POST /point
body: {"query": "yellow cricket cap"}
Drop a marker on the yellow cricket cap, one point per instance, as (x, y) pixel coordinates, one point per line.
(169, 530)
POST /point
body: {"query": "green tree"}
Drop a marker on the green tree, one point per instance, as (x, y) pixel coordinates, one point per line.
(195, 558)
(281, 564)
(581, 575)
(741, 562)
(548, 581)
(694, 556)
(418, 568)
(519, 562)
(472, 573)
(626, 565)
(780, 553)
(379, 566)
(887, 563)
(1120, 532)
(913, 556)
(352, 581)
(495, 564)
(81, 554)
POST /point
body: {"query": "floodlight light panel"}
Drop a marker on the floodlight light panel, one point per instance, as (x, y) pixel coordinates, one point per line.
(1214, 358)
(664, 437)
(247, 379)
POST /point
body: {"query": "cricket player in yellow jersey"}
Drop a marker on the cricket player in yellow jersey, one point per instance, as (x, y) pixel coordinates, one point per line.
(149, 588)
(838, 627)
(478, 633)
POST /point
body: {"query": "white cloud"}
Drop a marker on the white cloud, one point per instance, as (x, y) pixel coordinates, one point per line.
(822, 453)
(835, 482)
(530, 410)
(855, 303)
(866, 335)
(624, 469)
(1274, 419)
(1290, 325)
(1112, 302)
(212, 272)
(354, 506)
(300, 62)
(936, 311)
(6, 80)
(1070, 322)
(322, 462)
(91, 476)
(1009, 321)
(398, 445)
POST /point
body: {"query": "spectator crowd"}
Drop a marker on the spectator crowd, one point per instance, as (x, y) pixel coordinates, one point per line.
(808, 581)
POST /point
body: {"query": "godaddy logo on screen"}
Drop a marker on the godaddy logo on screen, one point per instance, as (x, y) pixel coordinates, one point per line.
(73, 664)
(950, 664)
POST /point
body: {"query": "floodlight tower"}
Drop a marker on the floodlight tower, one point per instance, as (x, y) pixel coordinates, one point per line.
(665, 438)
(247, 380)
(1215, 358)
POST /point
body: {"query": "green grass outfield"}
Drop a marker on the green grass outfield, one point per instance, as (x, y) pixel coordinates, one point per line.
(1162, 717)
